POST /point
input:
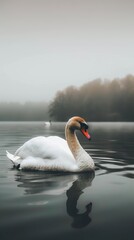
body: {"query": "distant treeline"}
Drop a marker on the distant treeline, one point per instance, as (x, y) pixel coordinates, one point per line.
(30, 111)
(96, 101)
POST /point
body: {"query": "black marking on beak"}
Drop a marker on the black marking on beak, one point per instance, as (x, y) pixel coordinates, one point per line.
(84, 125)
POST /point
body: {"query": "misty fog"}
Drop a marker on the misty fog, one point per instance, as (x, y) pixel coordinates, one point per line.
(29, 111)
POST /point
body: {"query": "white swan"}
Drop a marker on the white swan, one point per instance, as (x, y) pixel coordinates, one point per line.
(54, 153)
(48, 124)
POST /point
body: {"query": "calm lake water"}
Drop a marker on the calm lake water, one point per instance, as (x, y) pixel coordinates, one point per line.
(39, 205)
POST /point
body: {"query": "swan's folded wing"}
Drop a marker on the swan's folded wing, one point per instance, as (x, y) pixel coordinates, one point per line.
(45, 147)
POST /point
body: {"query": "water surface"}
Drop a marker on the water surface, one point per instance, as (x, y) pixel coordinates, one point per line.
(39, 205)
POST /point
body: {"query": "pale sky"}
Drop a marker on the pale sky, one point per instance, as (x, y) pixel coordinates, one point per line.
(47, 45)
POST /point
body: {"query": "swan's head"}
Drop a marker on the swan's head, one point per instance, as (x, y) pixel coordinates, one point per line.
(78, 123)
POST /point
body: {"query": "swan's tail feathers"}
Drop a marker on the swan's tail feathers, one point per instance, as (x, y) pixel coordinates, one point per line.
(12, 157)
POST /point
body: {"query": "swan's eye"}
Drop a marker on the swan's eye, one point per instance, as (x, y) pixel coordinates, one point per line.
(84, 126)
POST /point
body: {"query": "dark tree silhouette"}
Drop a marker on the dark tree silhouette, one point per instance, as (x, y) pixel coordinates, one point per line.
(97, 101)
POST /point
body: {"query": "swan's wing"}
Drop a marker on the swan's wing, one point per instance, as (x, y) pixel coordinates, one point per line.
(45, 147)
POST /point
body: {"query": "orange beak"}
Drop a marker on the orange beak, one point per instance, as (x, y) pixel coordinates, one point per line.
(86, 134)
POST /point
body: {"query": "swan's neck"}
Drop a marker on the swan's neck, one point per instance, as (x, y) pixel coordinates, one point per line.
(73, 142)
(83, 159)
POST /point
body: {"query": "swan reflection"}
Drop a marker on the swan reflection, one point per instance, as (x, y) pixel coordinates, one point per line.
(57, 184)
(80, 220)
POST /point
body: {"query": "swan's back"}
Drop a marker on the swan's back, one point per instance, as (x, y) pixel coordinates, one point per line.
(51, 147)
